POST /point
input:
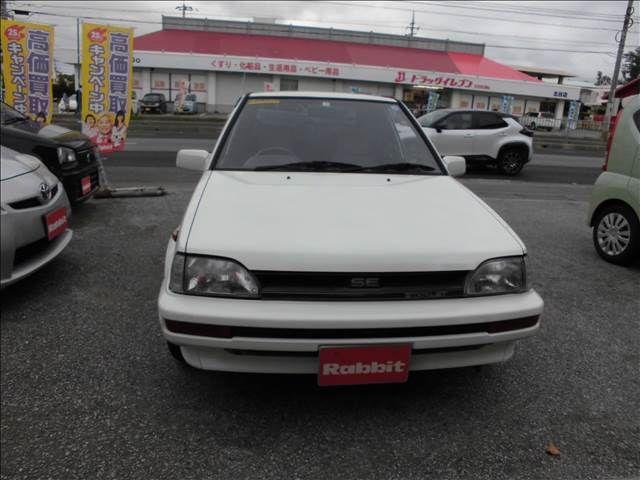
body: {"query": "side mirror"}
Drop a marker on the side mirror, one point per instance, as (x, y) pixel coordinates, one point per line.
(192, 159)
(438, 127)
(456, 166)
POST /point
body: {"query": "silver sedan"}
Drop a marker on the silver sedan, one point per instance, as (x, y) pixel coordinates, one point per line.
(34, 216)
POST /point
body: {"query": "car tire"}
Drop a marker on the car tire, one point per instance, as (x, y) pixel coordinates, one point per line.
(511, 160)
(624, 246)
(176, 353)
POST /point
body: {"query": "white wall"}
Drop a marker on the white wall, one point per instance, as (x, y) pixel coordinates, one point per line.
(230, 86)
(315, 85)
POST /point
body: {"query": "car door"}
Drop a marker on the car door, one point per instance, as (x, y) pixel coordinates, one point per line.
(488, 129)
(453, 135)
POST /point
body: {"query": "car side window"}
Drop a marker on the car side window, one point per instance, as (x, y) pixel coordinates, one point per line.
(457, 121)
(487, 121)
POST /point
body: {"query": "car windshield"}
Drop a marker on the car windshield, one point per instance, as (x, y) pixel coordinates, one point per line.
(190, 97)
(151, 97)
(432, 118)
(9, 115)
(328, 135)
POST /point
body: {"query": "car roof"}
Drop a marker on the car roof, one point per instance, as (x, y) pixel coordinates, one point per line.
(327, 95)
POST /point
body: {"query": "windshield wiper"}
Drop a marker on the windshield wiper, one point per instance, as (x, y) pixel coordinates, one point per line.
(403, 167)
(316, 166)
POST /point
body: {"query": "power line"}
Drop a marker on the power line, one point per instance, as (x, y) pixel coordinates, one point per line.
(576, 16)
(390, 25)
(528, 22)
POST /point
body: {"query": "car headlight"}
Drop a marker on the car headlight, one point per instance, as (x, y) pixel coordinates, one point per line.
(499, 275)
(66, 155)
(211, 276)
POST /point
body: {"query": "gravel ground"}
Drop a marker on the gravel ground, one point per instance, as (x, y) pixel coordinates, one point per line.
(88, 389)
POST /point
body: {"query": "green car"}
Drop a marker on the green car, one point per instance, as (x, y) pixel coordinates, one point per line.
(615, 201)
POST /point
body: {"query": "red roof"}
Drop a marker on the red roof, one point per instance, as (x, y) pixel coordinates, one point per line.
(217, 43)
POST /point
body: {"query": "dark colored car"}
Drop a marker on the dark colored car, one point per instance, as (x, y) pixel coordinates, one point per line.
(153, 102)
(68, 154)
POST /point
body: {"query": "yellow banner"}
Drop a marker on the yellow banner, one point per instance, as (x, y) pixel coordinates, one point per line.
(27, 68)
(107, 77)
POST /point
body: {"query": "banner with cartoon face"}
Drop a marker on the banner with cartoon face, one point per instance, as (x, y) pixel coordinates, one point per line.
(27, 68)
(107, 80)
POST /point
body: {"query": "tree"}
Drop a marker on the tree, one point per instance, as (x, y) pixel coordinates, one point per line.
(63, 84)
(631, 65)
(602, 79)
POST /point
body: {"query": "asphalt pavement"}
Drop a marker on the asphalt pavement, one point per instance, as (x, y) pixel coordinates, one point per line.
(88, 389)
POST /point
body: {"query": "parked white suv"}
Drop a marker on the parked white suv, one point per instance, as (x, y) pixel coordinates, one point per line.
(487, 137)
(326, 236)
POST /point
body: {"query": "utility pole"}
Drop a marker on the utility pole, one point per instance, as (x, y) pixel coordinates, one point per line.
(184, 8)
(412, 26)
(616, 70)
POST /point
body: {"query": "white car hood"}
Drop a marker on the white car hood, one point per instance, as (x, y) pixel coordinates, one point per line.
(13, 164)
(334, 222)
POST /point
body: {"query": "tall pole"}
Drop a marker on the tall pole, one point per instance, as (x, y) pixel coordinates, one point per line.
(78, 76)
(616, 69)
(412, 26)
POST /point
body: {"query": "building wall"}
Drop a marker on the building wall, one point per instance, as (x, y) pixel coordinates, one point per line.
(219, 90)
(230, 86)
(315, 85)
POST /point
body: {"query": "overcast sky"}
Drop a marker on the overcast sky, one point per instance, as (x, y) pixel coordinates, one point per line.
(575, 36)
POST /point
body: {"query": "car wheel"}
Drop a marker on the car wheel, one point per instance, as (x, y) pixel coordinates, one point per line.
(615, 234)
(176, 353)
(511, 161)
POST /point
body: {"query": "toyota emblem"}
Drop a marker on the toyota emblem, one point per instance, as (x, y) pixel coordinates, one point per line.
(45, 191)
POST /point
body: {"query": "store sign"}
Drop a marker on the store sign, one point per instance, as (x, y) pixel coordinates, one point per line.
(107, 80)
(261, 65)
(27, 68)
(402, 76)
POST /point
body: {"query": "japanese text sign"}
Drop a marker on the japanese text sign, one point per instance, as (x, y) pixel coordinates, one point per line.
(107, 80)
(27, 68)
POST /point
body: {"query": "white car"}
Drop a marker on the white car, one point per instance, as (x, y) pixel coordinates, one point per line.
(320, 240)
(34, 214)
(492, 138)
(70, 106)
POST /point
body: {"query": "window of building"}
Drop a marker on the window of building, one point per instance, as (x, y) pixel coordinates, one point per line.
(288, 84)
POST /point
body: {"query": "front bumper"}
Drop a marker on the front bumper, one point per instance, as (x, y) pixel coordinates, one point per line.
(270, 354)
(72, 181)
(24, 230)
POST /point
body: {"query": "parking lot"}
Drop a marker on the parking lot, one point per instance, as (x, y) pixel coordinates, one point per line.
(89, 390)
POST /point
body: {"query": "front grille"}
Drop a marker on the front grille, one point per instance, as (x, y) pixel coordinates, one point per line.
(29, 251)
(33, 201)
(86, 157)
(218, 331)
(361, 286)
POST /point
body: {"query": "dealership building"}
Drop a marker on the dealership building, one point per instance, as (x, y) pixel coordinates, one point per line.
(220, 60)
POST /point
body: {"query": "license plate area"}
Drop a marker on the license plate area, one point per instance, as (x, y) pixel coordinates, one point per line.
(55, 222)
(364, 364)
(85, 183)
